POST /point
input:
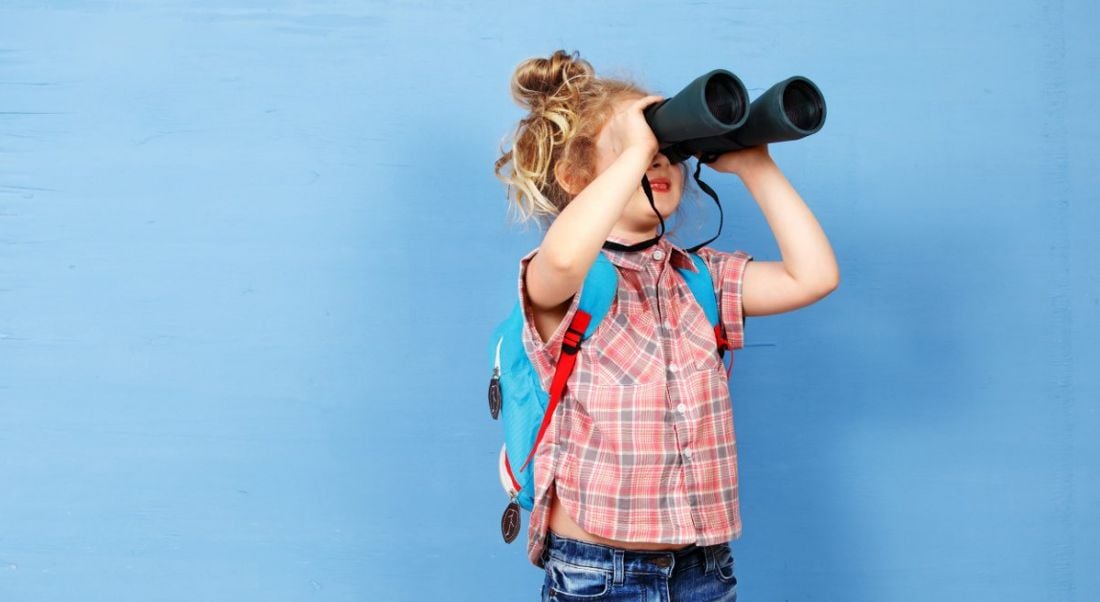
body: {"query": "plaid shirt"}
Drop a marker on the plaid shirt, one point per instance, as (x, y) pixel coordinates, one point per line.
(642, 446)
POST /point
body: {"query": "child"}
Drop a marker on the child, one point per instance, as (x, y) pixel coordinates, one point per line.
(636, 490)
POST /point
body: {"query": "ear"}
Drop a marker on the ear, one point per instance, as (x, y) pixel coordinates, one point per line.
(563, 179)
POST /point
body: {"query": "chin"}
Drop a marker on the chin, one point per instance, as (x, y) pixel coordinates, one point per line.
(665, 202)
(666, 209)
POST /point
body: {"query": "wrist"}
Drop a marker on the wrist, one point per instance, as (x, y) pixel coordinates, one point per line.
(757, 168)
(638, 155)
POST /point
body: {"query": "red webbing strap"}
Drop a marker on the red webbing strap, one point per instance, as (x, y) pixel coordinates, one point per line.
(571, 343)
(511, 476)
(723, 345)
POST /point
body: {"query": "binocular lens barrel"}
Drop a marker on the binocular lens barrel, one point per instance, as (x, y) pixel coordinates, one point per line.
(726, 99)
(713, 104)
(789, 110)
(804, 105)
(708, 117)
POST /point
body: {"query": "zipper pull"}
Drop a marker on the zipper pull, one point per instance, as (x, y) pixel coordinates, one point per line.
(509, 522)
(494, 394)
(494, 385)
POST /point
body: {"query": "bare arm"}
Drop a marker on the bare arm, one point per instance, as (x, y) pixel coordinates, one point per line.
(625, 147)
(809, 269)
(578, 233)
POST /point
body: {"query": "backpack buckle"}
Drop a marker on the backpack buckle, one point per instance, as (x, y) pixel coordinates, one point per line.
(571, 342)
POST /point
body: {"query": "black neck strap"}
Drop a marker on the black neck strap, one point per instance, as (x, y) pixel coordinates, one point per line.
(652, 241)
(645, 243)
(713, 195)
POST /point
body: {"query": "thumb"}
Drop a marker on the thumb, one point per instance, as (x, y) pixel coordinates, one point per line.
(642, 102)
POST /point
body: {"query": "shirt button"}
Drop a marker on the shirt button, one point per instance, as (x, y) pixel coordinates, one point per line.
(672, 368)
(682, 408)
(687, 452)
(658, 255)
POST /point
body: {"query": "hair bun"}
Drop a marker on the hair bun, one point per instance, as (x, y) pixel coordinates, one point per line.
(538, 82)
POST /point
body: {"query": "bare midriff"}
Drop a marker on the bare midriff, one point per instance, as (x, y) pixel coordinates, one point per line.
(563, 524)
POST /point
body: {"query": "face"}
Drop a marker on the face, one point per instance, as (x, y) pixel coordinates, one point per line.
(666, 180)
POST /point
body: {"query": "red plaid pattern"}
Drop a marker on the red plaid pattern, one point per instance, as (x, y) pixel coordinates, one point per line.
(642, 446)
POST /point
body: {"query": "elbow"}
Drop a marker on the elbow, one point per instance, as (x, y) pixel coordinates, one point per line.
(825, 285)
(830, 278)
(560, 263)
(568, 266)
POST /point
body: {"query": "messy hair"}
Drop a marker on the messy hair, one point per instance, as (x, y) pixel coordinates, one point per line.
(567, 105)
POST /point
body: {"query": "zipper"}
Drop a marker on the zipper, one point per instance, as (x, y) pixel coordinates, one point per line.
(511, 485)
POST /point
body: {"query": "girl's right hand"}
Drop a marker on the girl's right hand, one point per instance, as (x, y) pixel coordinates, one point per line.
(627, 128)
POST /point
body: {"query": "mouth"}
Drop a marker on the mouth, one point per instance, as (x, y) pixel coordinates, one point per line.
(660, 185)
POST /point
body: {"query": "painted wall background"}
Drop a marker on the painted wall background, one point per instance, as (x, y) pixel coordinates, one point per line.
(252, 251)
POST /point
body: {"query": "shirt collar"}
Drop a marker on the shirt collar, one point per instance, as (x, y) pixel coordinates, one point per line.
(636, 260)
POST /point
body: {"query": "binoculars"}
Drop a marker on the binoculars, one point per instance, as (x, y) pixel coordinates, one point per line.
(712, 115)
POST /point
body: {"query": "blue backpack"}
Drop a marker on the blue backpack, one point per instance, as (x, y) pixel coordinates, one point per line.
(516, 394)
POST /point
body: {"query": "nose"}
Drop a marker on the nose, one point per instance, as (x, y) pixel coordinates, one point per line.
(658, 160)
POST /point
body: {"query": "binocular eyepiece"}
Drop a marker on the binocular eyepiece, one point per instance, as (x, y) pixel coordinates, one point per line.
(712, 115)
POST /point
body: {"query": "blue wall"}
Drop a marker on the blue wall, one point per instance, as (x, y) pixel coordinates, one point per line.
(250, 254)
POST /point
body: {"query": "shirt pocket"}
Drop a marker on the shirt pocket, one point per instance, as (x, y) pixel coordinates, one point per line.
(709, 361)
(698, 346)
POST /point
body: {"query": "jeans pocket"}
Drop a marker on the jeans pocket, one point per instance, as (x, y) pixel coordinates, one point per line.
(724, 564)
(566, 581)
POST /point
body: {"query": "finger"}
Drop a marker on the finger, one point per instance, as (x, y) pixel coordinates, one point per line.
(641, 102)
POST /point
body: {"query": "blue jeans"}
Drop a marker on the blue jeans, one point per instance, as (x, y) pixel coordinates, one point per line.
(583, 571)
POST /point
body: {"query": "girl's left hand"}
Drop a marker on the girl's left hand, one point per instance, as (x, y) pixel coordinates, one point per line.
(741, 160)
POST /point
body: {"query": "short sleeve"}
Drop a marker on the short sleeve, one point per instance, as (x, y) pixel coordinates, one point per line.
(727, 270)
(544, 355)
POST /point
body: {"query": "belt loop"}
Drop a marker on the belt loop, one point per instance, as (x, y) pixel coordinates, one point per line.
(618, 561)
(708, 551)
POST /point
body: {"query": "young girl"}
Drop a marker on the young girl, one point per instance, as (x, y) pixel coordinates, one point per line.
(636, 490)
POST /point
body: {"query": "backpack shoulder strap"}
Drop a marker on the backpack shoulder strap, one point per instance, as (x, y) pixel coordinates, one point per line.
(598, 291)
(702, 286)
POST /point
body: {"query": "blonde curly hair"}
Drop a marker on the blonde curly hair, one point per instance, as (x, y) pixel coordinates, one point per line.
(567, 106)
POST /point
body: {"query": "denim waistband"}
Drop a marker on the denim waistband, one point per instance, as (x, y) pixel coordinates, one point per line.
(620, 560)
